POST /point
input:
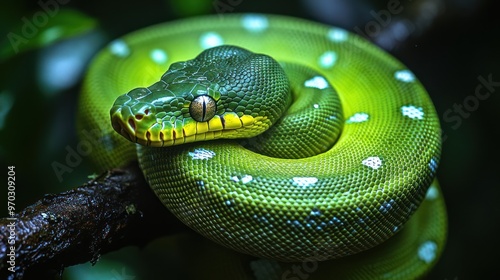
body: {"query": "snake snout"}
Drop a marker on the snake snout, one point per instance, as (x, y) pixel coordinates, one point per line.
(134, 122)
(126, 126)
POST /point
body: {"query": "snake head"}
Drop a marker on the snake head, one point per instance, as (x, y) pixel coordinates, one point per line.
(225, 92)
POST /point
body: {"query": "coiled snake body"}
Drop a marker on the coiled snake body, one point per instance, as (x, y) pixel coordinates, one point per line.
(349, 155)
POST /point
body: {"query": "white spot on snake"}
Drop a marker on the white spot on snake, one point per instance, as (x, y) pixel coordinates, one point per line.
(210, 40)
(327, 59)
(316, 82)
(412, 112)
(201, 185)
(358, 117)
(432, 193)
(335, 221)
(255, 23)
(404, 76)
(202, 154)
(295, 223)
(386, 206)
(427, 251)
(304, 181)
(337, 35)
(373, 162)
(244, 179)
(433, 165)
(315, 212)
(119, 48)
(316, 106)
(395, 229)
(158, 56)
(262, 219)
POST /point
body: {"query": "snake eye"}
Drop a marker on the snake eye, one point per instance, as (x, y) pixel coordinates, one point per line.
(203, 108)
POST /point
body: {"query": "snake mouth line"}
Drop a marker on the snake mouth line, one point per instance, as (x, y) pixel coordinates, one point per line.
(166, 133)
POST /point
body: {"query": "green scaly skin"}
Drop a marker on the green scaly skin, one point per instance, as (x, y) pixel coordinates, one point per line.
(368, 199)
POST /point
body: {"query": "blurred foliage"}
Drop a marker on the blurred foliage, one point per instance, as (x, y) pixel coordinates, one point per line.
(191, 7)
(44, 28)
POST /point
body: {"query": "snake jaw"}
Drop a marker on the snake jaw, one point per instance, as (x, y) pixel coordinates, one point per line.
(188, 130)
(165, 133)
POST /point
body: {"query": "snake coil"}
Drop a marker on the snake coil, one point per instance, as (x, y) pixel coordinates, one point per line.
(350, 154)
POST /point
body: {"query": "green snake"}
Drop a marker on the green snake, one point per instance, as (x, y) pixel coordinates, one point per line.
(277, 137)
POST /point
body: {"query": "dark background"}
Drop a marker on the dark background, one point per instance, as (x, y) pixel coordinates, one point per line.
(453, 43)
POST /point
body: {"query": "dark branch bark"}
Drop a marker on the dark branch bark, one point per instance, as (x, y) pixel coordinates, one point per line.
(116, 209)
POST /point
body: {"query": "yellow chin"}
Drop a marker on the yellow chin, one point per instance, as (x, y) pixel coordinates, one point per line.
(226, 126)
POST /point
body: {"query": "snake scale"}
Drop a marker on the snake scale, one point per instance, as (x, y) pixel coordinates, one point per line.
(344, 170)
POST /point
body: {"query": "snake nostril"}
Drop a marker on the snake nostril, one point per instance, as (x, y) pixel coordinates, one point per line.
(139, 117)
(132, 124)
(116, 126)
(146, 112)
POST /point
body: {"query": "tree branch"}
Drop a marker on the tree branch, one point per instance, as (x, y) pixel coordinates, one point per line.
(116, 209)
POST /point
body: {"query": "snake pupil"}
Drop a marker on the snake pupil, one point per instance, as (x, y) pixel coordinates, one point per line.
(203, 108)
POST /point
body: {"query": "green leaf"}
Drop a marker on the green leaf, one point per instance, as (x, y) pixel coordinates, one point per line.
(43, 28)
